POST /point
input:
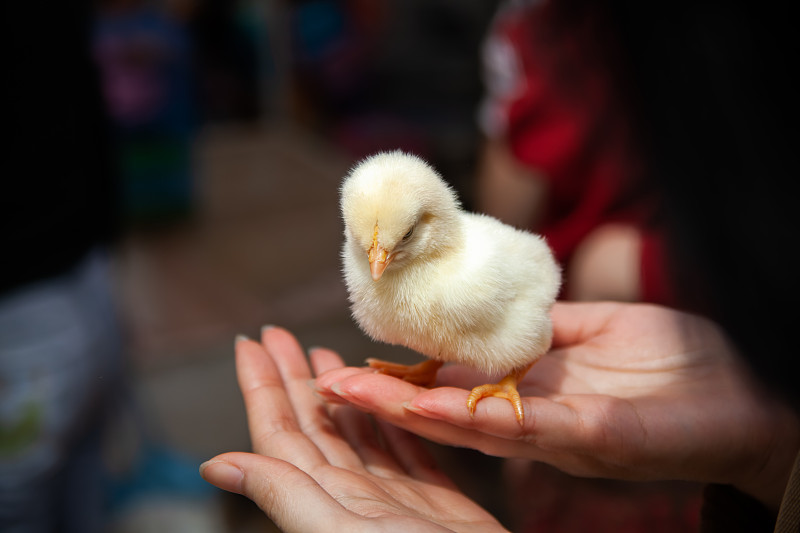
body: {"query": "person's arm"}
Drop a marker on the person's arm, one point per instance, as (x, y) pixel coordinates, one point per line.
(606, 265)
(508, 190)
(629, 391)
(325, 469)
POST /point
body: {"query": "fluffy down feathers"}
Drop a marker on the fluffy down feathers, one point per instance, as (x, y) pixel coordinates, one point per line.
(457, 286)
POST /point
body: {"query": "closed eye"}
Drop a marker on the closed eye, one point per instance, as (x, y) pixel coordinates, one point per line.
(408, 234)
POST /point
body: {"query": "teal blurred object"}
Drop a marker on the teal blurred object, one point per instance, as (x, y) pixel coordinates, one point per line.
(158, 473)
(157, 177)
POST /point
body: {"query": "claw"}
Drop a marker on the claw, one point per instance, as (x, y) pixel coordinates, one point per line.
(506, 388)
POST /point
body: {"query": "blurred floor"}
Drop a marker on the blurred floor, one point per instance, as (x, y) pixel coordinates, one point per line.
(260, 248)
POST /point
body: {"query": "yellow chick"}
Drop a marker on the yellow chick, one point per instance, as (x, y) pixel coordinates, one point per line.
(454, 286)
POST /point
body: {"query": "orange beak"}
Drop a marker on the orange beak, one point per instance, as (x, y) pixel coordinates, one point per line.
(378, 257)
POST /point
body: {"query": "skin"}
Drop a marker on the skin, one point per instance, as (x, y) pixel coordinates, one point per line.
(316, 465)
(605, 264)
(628, 391)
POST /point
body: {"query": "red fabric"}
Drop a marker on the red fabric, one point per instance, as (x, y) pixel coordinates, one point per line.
(560, 116)
(657, 287)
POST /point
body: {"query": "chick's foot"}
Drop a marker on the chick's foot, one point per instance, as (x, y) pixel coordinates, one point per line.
(505, 388)
(422, 374)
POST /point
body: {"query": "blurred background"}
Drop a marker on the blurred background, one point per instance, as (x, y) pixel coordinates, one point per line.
(230, 125)
(231, 196)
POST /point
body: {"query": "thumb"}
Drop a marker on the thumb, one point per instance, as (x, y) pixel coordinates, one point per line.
(289, 496)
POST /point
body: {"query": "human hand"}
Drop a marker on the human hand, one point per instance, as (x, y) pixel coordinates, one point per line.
(318, 468)
(628, 391)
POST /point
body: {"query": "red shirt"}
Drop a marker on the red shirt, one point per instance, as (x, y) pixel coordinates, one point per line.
(550, 94)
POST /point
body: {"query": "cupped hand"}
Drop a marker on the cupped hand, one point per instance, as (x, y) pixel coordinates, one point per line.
(323, 468)
(628, 391)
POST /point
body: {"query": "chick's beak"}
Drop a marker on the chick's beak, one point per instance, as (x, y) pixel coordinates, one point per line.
(379, 258)
(378, 261)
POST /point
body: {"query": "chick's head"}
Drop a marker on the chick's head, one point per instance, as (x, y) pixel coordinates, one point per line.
(397, 210)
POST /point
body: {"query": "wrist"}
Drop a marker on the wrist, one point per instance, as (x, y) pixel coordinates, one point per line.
(766, 481)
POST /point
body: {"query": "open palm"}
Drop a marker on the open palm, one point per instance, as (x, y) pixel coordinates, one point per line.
(627, 391)
(320, 469)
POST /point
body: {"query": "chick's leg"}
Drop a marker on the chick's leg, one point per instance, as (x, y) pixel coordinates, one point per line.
(423, 374)
(505, 388)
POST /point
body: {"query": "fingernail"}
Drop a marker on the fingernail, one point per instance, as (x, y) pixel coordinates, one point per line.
(240, 337)
(337, 388)
(267, 327)
(327, 396)
(412, 408)
(223, 475)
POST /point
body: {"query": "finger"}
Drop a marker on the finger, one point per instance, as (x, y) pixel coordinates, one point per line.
(414, 458)
(274, 430)
(324, 360)
(325, 380)
(493, 429)
(493, 417)
(361, 433)
(588, 435)
(553, 432)
(289, 496)
(328, 378)
(356, 427)
(310, 412)
(387, 398)
(544, 419)
(575, 322)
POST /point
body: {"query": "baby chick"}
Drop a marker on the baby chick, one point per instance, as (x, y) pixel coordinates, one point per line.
(454, 286)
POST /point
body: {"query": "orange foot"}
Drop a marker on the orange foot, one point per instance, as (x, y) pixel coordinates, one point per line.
(505, 388)
(422, 374)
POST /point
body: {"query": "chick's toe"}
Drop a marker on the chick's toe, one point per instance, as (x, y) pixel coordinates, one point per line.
(422, 374)
(506, 388)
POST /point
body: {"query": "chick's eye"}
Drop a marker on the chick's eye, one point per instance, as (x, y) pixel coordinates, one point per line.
(408, 234)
